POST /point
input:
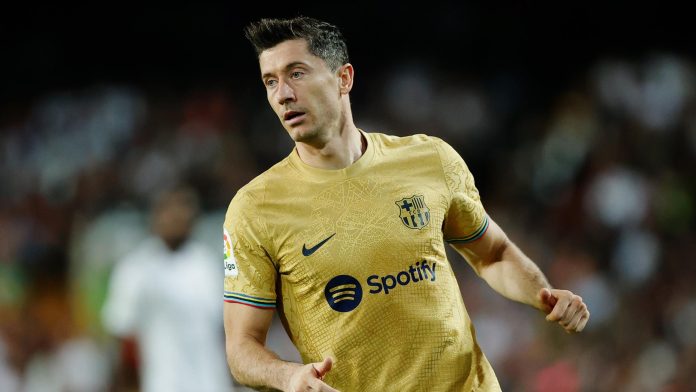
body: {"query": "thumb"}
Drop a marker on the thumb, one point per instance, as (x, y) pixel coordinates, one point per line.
(548, 301)
(323, 367)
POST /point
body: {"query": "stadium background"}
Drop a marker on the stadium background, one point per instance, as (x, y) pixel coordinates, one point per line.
(579, 124)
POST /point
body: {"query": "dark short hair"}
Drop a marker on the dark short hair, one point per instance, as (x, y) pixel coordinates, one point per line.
(324, 40)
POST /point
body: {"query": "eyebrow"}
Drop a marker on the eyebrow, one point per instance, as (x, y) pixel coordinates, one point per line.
(287, 67)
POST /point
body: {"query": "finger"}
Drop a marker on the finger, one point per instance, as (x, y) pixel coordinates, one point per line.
(583, 321)
(575, 307)
(547, 299)
(323, 367)
(575, 321)
(559, 309)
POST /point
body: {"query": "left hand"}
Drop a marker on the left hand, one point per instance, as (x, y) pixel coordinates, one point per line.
(564, 307)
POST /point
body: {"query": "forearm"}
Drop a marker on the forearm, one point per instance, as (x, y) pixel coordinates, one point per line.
(254, 365)
(514, 275)
(509, 272)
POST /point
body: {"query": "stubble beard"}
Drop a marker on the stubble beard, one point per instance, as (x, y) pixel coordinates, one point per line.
(304, 135)
(312, 133)
(307, 132)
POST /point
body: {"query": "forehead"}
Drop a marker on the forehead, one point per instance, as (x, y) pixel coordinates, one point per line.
(278, 57)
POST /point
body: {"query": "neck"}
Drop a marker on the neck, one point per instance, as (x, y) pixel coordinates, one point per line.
(338, 151)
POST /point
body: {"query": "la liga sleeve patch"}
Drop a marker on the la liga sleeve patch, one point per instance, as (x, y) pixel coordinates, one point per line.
(229, 260)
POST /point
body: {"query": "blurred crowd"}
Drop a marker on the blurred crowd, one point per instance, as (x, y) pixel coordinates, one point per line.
(595, 181)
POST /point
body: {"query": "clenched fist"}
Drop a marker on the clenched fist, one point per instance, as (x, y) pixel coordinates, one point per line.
(564, 307)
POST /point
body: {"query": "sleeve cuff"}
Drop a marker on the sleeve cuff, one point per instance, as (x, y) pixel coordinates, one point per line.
(244, 299)
(473, 236)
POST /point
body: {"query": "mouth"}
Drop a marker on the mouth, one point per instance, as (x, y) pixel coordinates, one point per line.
(292, 117)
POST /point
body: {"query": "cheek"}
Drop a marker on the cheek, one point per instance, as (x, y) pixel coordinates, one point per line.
(274, 105)
(329, 100)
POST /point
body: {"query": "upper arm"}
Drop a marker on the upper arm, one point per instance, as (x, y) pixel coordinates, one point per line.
(250, 274)
(243, 322)
(465, 220)
(467, 227)
(485, 250)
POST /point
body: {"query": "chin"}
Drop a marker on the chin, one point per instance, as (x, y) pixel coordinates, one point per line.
(298, 134)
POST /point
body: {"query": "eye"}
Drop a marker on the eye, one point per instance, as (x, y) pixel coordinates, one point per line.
(271, 82)
(297, 74)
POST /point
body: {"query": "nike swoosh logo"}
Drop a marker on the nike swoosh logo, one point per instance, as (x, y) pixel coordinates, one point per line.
(310, 251)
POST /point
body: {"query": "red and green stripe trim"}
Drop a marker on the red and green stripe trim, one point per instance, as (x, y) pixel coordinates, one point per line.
(257, 302)
(473, 236)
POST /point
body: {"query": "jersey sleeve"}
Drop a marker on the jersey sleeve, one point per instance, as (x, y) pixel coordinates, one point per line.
(466, 220)
(250, 272)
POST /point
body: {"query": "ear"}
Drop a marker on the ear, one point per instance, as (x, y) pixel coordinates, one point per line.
(345, 78)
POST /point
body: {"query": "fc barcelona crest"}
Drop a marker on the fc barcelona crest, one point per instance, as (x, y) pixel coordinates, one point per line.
(413, 212)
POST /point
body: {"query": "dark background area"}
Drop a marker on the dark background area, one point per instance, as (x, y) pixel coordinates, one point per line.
(183, 46)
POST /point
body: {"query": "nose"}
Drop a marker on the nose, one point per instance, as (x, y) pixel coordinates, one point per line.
(285, 93)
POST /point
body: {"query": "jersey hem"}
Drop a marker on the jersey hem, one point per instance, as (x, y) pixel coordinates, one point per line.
(248, 304)
(258, 302)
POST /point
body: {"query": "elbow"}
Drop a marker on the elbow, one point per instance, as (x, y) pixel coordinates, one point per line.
(234, 362)
(237, 371)
(497, 252)
(231, 361)
(501, 250)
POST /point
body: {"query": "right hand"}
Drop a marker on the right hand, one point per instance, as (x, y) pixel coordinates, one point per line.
(309, 377)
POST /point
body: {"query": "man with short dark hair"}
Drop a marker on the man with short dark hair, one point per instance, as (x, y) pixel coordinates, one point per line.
(346, 237)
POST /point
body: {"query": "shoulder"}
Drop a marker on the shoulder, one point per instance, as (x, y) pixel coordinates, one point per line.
(415, 140)
(254, 193)
(417, 145)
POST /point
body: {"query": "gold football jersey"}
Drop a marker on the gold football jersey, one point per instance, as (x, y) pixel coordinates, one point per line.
(354, 260)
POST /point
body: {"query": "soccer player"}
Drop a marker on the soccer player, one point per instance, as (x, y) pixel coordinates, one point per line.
(346, 238)
(163, 295)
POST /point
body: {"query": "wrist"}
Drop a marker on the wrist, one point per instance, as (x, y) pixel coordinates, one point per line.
(287, 373)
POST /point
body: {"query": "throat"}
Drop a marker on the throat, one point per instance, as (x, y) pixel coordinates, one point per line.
(337, 153)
